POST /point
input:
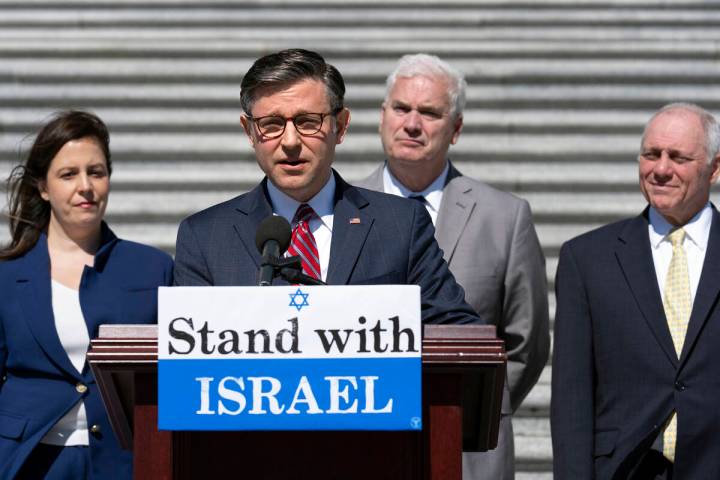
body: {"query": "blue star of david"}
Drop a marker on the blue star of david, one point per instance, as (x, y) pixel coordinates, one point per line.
(299, 299)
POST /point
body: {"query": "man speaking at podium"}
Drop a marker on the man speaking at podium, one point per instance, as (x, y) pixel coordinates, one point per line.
(294, 117)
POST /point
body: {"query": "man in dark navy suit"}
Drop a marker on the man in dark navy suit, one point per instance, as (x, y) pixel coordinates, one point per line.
(636, 374)
(294, 118)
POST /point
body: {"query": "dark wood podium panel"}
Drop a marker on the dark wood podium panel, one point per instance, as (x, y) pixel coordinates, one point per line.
(311, 455)
(463, 375)
(469, 358)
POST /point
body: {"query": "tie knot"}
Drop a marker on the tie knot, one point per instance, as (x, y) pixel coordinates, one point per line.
(676, 237)
(419, 198)
(304, 213)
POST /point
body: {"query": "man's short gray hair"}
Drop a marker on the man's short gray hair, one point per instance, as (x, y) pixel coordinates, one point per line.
(710, 126)
(423, 65)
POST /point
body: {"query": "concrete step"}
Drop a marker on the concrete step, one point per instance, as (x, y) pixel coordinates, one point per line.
(182, 203)
(558, 216)
(533, 475)
(25, 120)
(221, 47)
(531, 426)
(320, 34)
(386, 14)
(615, 108)
(508, 4)
(519, 178)
(533, 445)
(533, 453)
(544, 70)
(537, 403)
(365, 146)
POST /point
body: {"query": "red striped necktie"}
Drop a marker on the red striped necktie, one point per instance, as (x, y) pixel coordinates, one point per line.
(303, 243)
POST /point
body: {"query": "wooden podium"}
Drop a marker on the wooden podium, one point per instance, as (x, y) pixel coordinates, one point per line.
(463, 376)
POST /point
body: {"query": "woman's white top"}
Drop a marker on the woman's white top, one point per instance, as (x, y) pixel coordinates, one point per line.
(72, 429)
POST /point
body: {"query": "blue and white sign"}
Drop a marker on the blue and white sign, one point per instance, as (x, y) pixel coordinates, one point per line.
(289, 358)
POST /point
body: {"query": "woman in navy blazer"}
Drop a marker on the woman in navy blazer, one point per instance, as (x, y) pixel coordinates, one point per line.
(59, 241)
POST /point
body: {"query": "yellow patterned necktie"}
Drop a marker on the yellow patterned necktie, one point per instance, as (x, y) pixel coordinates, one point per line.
(677, 305)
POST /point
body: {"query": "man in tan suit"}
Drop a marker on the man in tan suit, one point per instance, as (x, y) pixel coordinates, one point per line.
(487, 235)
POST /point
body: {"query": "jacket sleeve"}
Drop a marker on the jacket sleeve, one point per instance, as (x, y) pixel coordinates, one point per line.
(572, 402)
(442, 298)
(3, 354)
(190, 265)
(524, 324)
(168, 273)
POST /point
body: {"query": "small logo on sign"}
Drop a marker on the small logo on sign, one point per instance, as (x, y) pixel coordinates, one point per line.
(299, 299)
(416, 423)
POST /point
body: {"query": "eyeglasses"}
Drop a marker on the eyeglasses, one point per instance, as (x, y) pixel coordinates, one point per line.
(273, 126)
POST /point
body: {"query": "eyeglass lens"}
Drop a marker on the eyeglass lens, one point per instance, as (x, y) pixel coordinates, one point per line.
(306, 124)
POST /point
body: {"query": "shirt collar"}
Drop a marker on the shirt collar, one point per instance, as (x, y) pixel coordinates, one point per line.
(107, 242)
(432, 194)
(697, 230)
(323, 202)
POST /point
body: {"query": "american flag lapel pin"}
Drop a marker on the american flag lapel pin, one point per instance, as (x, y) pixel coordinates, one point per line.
(355, 220)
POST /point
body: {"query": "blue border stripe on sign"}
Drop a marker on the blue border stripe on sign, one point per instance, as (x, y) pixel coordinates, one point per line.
(283, 394)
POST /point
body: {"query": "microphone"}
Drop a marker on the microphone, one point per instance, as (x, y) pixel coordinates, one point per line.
(272, 239)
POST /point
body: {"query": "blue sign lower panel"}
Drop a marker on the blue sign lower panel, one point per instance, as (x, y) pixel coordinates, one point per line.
(297, 394)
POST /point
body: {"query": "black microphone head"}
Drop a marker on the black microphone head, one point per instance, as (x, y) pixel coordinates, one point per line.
(273, 228)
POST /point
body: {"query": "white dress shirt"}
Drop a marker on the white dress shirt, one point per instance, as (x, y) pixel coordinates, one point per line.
(433, 193)
(697, 233)
(71, 429)
(321, 224)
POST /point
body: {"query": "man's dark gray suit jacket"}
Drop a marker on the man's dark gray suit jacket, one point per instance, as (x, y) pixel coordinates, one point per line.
(376, 239)
(616, 376)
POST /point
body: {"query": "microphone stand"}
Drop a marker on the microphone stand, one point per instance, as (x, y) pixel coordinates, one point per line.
(290, 269)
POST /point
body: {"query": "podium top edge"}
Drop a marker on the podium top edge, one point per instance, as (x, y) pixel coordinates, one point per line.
(128, 331)
(430, 331)
(459, 331)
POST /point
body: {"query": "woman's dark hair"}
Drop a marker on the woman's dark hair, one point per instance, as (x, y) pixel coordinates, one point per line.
(28, 213)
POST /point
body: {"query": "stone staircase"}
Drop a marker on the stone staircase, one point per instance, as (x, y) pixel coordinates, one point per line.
(559, 91)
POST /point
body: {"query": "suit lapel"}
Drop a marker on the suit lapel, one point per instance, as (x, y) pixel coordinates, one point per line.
(708, 288)
(375, 181)
(635, 258)
(350, 230)
(253, 209)
(455, 210)
(35, 298)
